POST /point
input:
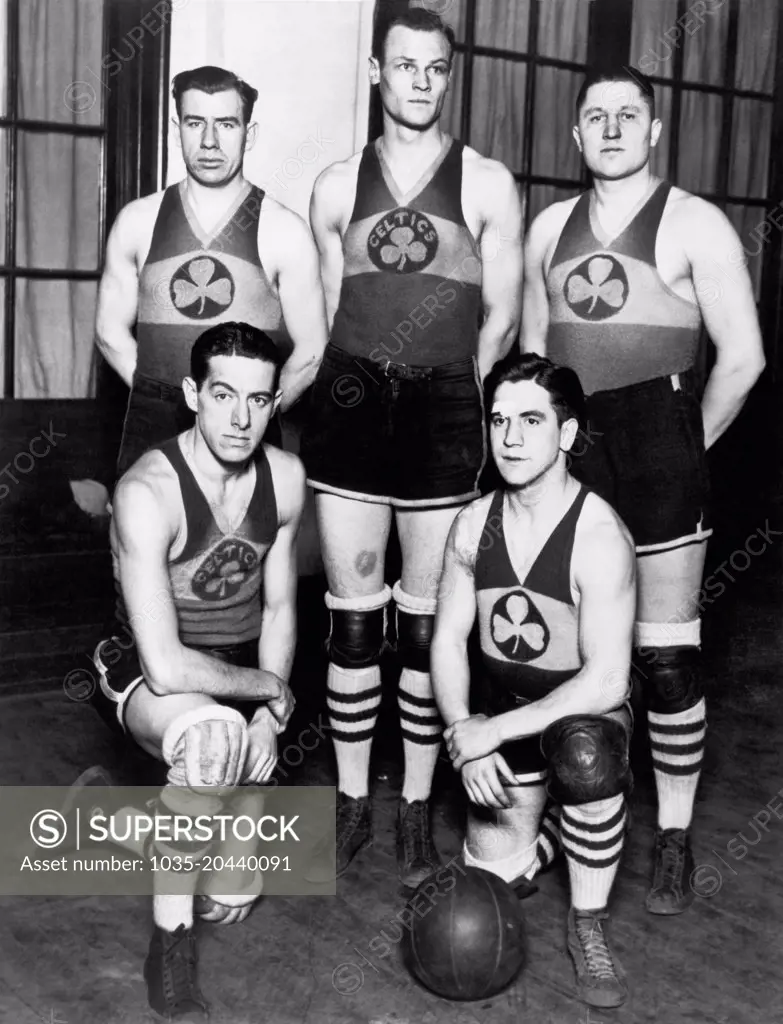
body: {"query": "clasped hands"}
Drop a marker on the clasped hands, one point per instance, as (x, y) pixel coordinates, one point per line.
(472, 745)
(267, 724)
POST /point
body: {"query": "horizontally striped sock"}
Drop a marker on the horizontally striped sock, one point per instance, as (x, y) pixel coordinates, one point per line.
(677, 745)
(593, 842)
(353, 696)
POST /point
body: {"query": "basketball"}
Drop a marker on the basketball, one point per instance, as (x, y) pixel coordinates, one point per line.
(470, 942)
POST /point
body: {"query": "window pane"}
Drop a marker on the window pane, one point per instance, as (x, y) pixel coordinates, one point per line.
(759, 24)
(54, 353)
(751, 132)
(651, 53)
(59, 77)
(542, 196)
(562, 29)
(754, 230)
(659, 157)
(703, 39)
(699, 141)
(59, 189)
(502, 24)
(3, 58)
(554, 150)
(452, 108)
(498, 110)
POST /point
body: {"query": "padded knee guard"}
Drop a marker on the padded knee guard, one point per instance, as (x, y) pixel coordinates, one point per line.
(205, 747)
(587, 757)
(415, 624)
(668, 665)
(358, 629)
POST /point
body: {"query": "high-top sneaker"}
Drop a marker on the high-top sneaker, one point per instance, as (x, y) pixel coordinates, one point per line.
(600, 980)
(353, 832)
(671, 891)
(417, 857)
(170, 973)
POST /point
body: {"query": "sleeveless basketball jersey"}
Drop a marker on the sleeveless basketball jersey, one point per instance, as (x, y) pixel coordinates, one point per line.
(192, 280)
(612, 318)
(411, 290)
(529, 630)
(216, 579)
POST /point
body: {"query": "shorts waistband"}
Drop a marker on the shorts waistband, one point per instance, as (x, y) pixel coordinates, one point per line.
(400, 371)
(684, 380)
(150, 387)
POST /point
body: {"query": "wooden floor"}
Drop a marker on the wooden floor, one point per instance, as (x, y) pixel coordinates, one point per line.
(309, 961)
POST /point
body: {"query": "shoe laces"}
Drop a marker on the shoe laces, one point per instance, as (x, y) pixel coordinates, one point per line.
(416, 838)
(597, 958)
(671, 860)
(349, 815)
(179, 968)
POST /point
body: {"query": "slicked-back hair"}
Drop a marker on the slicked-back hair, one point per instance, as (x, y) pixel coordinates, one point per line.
(617, 73)
(233, 339)
(561, 382)
(417, 18)
(210, 79)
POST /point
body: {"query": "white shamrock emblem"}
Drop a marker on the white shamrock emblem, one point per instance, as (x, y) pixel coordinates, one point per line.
(403, 248)
(504, 629)
(229, 575)
(201, 271)
(599, 285)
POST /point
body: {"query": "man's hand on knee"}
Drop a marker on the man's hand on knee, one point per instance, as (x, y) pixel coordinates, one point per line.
(282, 706)
(262, 747)
(484, 781)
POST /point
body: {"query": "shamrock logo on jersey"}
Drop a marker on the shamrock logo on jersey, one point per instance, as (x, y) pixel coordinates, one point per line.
(403, 241)
(202, 288)
(224, 570)
(518, 628)
(597, 288)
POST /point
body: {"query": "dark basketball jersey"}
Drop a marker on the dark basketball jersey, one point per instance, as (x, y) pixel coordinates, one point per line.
(216, 578)
(192, 280)
(529, 630)
(612, 318)
(411, 289)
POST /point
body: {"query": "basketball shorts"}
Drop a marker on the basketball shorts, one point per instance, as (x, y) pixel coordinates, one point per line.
(411, 437)
(120, 673)
(157, 411)
(504, 688)
(643, 452)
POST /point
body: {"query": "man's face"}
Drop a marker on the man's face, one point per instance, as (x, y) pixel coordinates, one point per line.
(234, 405)
(525, 437)
(413, 76)
(213, 136)
(615, 132)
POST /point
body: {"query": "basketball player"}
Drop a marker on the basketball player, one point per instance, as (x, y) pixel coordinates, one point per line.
(202, 525)
(619, 283)
(548, 568)
(420, 249)
(213, 247)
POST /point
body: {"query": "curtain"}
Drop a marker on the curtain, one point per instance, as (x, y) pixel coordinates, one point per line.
(59, 186)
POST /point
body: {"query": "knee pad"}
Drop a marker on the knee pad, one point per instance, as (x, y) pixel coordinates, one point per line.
(415, 622)
(587, 757)
(669, 665)
(205, 747)
(358, 629)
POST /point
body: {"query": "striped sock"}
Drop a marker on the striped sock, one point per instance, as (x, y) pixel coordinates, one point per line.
(592, 837)
(549, 842)
(677, 744)
(353, 696)
(422, 727)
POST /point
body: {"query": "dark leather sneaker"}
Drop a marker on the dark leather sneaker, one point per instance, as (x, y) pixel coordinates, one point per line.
(417, 857)
(671, 891)
(600, 980)
(353, 833)
(170, 973)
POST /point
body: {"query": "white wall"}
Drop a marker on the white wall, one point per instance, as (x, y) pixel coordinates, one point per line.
(308, 60)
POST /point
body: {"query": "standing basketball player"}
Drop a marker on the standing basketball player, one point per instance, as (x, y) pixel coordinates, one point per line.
(420, 243)
(619, 282)
(548, 569)
(212, 248)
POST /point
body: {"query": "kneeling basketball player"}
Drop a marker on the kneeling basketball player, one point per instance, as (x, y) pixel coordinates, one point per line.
(202, 525)
(549, 569)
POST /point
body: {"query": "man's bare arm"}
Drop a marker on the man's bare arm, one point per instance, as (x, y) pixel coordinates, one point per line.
(535, 300)
(501, 258)
(725, 295)
(325, 209)
(118, 296)
(143, 536)
(302, 302)
(454, 620)
(605, 572)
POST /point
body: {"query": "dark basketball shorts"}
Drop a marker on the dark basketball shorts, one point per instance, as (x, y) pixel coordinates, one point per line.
(411, 437)
(120, 673)
(643, 453)
(156, 412)
(499, 695)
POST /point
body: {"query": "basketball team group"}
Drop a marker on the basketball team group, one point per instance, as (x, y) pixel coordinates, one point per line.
(526, 407)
